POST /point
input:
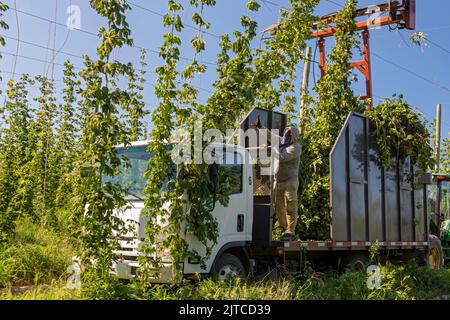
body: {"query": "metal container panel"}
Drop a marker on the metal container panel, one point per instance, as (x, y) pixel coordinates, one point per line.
(357, 149)
(338, 179)
(407, 233)
(391, 206)
(358, 168)
(357, 208)
(370, 202)
(375, 196)
(406, 202)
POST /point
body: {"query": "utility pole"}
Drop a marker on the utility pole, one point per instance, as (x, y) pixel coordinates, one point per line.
(305, 85)
(438, 138)
(437, 207)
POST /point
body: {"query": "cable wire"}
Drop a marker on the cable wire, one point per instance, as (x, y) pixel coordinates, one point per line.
(67, 35)
(18, 37)
(335, 3)
(96, 35)
(441, 86)
(43, 47)
(54, 43)
(162, 15)
(36, 59)
(275, 4)
(79, 68)
(437, 45)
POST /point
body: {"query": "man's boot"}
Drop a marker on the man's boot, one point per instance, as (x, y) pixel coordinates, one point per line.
(288, 237)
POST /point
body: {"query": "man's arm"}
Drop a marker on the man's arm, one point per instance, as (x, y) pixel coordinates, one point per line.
(289, 153)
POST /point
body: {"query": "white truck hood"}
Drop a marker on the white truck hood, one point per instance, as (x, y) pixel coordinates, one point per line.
(135, 221)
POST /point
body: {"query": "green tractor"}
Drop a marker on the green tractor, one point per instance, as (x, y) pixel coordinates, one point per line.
(439, 202)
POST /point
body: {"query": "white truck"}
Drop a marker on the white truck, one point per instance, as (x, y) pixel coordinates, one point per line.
(370, 204)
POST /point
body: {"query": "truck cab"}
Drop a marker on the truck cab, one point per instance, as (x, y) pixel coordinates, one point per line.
(238, 229)
(234, 221)
(439, 207)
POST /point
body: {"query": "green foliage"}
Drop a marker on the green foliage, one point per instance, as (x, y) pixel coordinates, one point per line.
(327, 115)
(373, 252)
(17, 144)
(190, 185)
(43, 169)
(275, 67)
(397, 283)
(3, 25)
(244, 79)
(239, 290)
(190, 201)
(401, 132)
(234, 94)
(102, 130)
(163, 125)
(38, 256)
(55, 291)
(135, 106)
(418, 38)
(445, 156)
(38, 152)
(66, 146)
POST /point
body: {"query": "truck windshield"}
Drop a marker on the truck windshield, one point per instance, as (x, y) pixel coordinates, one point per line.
(132, 172)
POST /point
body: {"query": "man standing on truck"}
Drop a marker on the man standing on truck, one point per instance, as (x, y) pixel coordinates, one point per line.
(286, 180)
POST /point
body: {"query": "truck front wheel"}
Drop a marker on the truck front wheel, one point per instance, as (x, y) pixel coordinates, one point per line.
(227, 267)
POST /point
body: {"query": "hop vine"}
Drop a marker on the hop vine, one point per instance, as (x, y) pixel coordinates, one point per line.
(333, 103)
(103, 129)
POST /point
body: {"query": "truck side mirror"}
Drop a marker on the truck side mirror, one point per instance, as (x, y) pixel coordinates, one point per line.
(214, 177)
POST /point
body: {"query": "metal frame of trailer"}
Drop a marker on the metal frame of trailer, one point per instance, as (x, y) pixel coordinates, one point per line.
(348, 245)
(370, 202)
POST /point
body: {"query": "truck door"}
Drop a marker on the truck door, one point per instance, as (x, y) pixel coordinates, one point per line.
(233, 219)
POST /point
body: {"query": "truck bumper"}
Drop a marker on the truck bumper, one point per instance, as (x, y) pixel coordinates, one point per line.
(128, 270)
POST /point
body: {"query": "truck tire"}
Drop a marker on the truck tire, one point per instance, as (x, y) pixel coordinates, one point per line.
(435, 257)
(356, 261)
(227, 267)
(418, 257)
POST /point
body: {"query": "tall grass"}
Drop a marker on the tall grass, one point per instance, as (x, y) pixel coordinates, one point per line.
(37, 259)
(398, 283)
(238, 290)
(36, 255)
(56, 290)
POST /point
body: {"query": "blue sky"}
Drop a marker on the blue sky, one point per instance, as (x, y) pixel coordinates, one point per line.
(430, 62)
